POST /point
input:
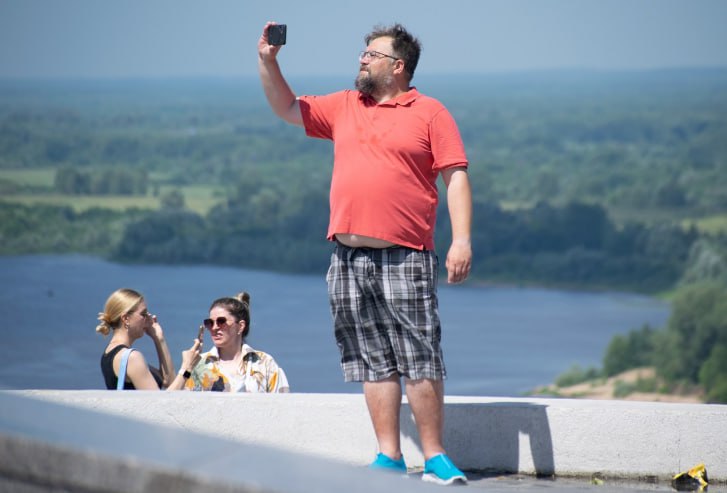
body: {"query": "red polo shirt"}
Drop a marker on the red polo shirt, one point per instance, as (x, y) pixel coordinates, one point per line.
(386, 160)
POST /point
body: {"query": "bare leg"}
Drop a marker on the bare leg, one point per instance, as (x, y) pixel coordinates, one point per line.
(383, 399)
(426, 398)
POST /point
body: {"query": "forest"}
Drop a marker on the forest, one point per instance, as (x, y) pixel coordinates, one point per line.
(581, 179)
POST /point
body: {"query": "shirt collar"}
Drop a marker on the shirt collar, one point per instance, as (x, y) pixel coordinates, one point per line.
(404, 99)
(246, 351)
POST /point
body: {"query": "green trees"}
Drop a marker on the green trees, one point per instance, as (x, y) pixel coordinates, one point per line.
(114, 181)
(71, 181)
(691, 350)
(633, 350)
(696, 333)
(576, 244)
(261, 226)
(713, 374)
(172, 200)
(579, 180)
(167, 236)
(51, 229)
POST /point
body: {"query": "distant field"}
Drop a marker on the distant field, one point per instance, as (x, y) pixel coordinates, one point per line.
(201, 198)
(511, 205)
(32, 177)
(198, 198)
(712, 225)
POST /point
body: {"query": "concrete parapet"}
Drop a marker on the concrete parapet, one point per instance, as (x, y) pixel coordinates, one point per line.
(49, 447)
(566, 437)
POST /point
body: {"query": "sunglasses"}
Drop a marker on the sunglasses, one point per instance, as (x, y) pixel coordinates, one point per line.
(209, 323)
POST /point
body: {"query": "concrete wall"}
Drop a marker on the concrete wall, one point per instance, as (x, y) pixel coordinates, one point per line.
(566, 437)
(47, 447)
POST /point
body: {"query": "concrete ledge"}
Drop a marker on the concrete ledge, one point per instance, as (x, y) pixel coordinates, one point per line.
(48, 447)
(565, 437)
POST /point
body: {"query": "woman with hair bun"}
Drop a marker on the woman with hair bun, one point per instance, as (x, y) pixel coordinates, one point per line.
(232, 365)
(126, 315)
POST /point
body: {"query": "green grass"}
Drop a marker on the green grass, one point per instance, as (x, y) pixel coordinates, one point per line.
(198, 198)
(712, 224)
(82, 203)
(513, 205)
(576, 375)
(29, 177)
(645, 385)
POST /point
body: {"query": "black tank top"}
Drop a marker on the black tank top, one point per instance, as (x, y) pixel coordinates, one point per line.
(110, 378)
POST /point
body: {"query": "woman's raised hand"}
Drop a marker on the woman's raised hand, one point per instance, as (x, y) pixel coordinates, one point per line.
(191, 356)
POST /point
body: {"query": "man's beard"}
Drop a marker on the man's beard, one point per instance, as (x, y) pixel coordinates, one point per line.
(367, 84)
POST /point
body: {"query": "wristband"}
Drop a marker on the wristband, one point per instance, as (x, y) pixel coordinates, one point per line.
(185, 373)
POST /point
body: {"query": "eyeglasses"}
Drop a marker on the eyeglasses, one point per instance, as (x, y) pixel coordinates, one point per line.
(374, 54)
(145, 314)
(210, 323)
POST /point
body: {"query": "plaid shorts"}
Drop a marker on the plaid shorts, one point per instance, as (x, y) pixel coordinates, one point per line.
(385, 313)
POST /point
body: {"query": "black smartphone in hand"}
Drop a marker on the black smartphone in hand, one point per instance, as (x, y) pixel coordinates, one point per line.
(277, 34)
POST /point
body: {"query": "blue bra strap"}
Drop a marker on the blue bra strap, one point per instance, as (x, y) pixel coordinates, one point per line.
(122, 368)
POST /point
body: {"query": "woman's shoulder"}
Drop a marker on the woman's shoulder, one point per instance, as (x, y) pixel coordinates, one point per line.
(250, 352)
(110, 353)
(256, 355)
(136, 356)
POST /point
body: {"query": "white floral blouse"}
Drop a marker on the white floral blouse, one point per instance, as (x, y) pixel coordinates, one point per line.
(258, 372)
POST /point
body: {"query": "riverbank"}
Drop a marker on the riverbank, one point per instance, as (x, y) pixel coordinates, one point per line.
(639, 384)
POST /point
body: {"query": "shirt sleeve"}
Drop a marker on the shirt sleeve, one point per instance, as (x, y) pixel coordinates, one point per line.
(319, 113)
(447, 146)
(277, 380)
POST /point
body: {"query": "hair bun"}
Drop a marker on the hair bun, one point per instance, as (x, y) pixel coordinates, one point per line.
(104, 327)
(243, 296)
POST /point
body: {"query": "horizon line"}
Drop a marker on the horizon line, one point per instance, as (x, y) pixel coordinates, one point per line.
(493, 73)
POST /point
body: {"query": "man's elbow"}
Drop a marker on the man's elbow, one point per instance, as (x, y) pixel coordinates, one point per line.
(291, 114)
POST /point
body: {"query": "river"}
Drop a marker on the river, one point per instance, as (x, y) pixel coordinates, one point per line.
(498, 341)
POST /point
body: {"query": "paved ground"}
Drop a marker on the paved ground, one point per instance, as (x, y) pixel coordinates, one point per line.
(510, 483)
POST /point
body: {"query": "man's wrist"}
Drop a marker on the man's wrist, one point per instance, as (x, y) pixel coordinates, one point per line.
(462, 241)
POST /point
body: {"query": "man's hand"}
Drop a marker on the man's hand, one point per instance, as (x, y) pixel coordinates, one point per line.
(265, 50)
(459, 261)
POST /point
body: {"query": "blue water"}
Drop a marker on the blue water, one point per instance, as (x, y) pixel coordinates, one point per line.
(498, 341)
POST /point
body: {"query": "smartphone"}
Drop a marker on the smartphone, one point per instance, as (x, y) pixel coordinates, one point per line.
(277, 34)
(200, 334)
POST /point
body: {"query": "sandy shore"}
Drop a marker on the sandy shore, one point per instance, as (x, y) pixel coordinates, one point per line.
(605, 389)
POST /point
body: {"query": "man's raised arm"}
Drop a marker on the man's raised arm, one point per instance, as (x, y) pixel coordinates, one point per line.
(280, 97)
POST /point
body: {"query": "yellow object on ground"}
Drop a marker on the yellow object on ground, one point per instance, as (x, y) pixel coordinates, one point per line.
(693, 480)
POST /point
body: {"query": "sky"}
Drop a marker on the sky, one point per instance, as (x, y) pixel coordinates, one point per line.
(218, 38)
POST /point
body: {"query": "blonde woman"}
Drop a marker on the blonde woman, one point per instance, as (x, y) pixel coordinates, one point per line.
(232, 365)
(126, 316)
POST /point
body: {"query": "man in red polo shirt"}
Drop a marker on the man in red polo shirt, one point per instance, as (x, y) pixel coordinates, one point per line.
(390, 144)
